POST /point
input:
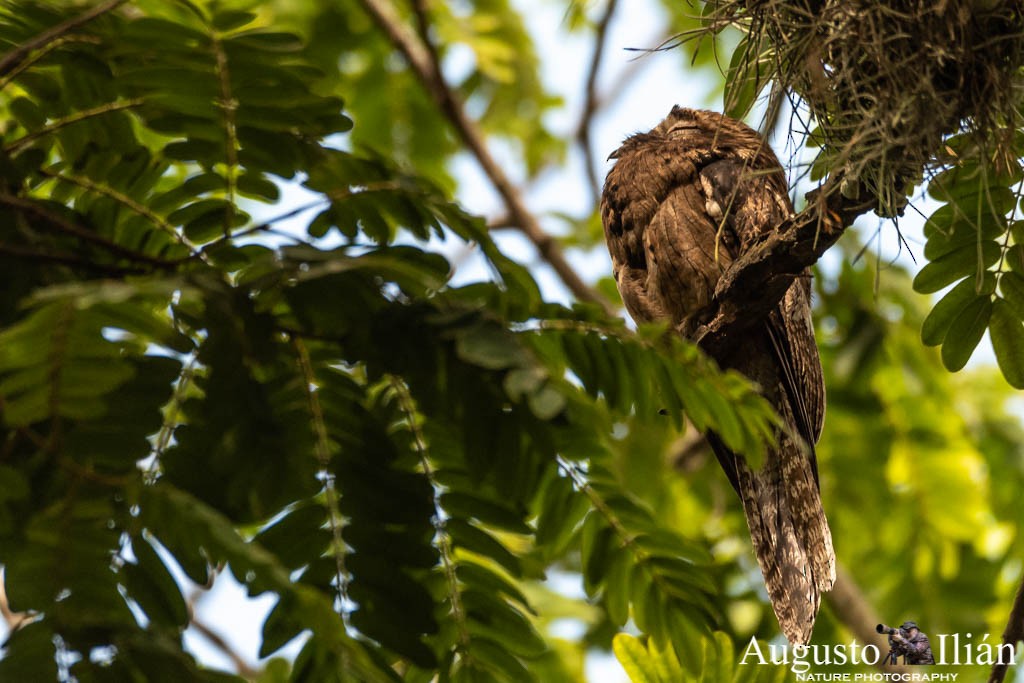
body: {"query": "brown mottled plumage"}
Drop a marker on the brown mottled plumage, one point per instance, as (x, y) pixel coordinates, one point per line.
(681, 203)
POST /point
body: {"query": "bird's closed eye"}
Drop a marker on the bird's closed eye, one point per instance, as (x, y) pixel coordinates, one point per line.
(683, 126)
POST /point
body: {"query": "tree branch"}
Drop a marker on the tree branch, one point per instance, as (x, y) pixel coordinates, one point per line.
(21, 143)
(855, 612)
(140, 209)
(14, 620)
(15, 57)
(244, 669)
(68, 227)
(421, 54)
(1014, 632)
(69, 260)
(756, 282)
(590, 106)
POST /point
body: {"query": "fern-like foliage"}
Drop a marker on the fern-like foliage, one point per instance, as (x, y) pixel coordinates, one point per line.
(713, 659)
(184, 381)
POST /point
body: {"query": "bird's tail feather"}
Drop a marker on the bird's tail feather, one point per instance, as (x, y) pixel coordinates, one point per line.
(791, 537)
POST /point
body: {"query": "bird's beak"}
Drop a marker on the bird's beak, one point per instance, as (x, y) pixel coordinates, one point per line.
(614, 155)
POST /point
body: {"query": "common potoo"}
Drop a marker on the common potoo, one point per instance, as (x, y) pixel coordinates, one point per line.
(681, 203)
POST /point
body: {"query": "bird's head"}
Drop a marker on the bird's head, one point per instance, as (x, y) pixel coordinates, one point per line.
(707, 131)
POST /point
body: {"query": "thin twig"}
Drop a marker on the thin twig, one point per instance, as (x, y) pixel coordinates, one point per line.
(444, 542)
(323, 455)
(26, 140)
(12, 59)
(244, 669)
(171, 418)
(1013, 634)
(590, 106)
(69, 260)
(123, 199)
(422, 56)
(14, 620)
(41, 53)
(197, 595)
(228, 104)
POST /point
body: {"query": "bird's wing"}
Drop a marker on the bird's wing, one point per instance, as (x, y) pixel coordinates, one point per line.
(651, 214)
(781, 501)
(749, 205)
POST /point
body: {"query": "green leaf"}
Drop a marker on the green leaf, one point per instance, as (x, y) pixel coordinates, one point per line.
(490, 347)
(205, 151)
(938, 321)
(490, 581)
(151, 585)
(665, 661)
(1011, 286)
(257, 186)
(965, 332)
(1007, 333)
(746, 76)
(634, 658)
(546, 403)
(298, 538)
(468, 506)
(616, 592)
(279, 628)
(493, 654)
(479, 541)
(562, 510)
(955, 265)
(229, 20)
(496, 620)
(1015, 258)
(29, 654)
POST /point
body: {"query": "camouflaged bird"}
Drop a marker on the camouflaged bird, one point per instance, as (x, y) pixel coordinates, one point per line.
(681, 203)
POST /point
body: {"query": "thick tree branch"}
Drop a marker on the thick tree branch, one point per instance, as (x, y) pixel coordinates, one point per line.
(590, 106)
(1013, 634)
(756, 282)
(422, 56)
(15, 57)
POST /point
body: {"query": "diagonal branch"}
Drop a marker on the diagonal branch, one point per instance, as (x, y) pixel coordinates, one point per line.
(756, 282)
(124, 200)
(68, 227)
(13, 620)
(851, 607)
(24, 141)
(244, 669)
(1013, 634)
(15, 57)
(422, 56)
(591, 105)
(41, 53)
